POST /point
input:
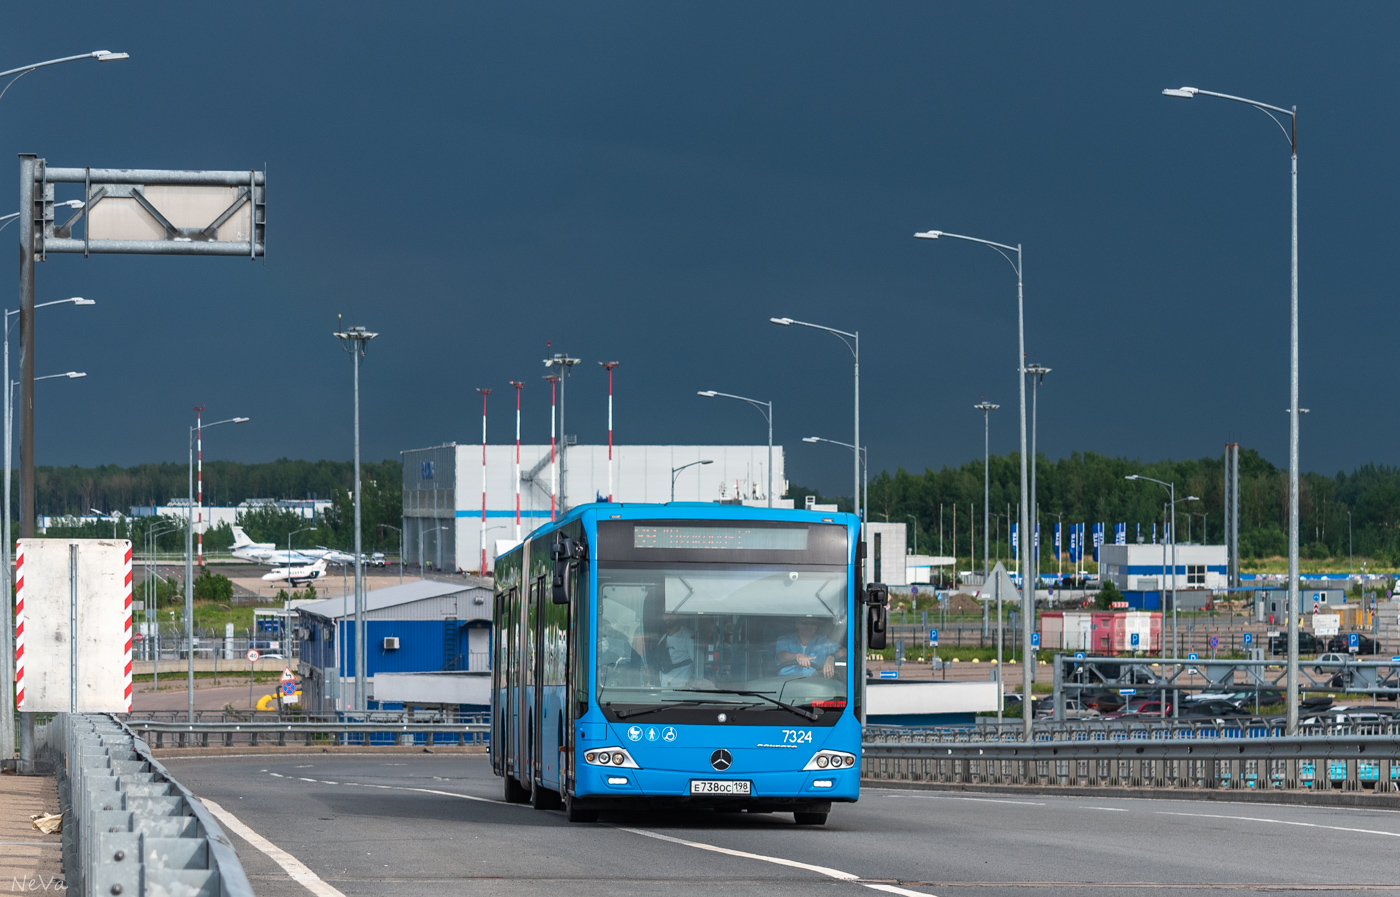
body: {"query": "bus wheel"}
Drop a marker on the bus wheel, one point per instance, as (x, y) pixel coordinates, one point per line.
(574, 813)
(810, 818)
(514, 793)
(542, 798)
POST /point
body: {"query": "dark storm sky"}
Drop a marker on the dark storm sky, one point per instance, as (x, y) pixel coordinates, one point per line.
(651, 182)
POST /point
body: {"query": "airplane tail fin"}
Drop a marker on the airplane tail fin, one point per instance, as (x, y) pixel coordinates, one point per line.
(240, 538)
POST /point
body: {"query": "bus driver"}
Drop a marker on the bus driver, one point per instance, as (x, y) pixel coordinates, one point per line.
(806, 652)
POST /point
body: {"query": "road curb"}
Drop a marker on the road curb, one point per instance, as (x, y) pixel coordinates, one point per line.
(244, 750)
(1351, 799)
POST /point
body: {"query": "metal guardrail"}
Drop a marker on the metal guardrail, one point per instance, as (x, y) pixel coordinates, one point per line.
(289, 715)
(1315, 763)
(308, 733)
(129, 828)
(1135, 729)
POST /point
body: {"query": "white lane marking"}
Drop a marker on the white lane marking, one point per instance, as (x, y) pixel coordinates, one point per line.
(294, 867)
(982, 800)
(485, 800)
(780, 861)
(305, 779)
(278, 774)
(1335, 828)
(1107, 809)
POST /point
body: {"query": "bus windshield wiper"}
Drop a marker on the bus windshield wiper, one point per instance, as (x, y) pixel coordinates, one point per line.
(807, 714)
(638, 711)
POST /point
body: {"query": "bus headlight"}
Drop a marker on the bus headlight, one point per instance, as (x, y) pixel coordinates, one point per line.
(830, 760)
(610, 756)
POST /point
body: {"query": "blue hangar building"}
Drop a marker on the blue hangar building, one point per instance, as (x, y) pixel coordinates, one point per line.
(418, 627)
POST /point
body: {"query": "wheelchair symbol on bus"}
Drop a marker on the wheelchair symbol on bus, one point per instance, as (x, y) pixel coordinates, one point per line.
(668, 734)
(634, 733)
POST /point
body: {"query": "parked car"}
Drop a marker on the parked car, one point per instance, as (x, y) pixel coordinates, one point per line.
(1140, 707)
(1075, 708)
(1307, 644)
(1365, 644)
(1211, 709)
(1331, 660)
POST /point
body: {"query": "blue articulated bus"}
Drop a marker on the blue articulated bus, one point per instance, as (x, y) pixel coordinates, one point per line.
(685, 654)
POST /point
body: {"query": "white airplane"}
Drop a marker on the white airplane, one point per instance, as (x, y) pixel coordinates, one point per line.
(246, 549)
(297, 574)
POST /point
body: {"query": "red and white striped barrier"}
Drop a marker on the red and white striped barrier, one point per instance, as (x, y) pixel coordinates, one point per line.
(19, 625)
(126, 588)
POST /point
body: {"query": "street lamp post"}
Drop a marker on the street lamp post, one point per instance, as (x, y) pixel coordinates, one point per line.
(400, 532)
(986, 408)
(852, 341)
(7, 668)
(565, 365)
(1028, 609)
(766, 409)
(356, 340)
(864, 463)
(7, 635)
(1037, 372)
(28, 164)
(189, 567)
(1171, 536)
(1294, 606)
(675, 472)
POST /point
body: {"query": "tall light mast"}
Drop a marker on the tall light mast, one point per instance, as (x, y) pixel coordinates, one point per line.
(553, 457)
(199, 460)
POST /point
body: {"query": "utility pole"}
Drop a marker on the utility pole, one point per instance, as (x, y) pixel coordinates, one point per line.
(355, 340)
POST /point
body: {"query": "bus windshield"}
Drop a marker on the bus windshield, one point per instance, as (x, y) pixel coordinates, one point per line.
(761, 644)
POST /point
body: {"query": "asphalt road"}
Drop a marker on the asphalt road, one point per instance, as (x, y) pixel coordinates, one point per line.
(419, 823)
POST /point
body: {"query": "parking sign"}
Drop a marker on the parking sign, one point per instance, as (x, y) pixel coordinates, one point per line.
(1353, 641)
(1035, 640)
(933, 638)
(1134, 638)
(1248, 639)
(1078, 655)
(1193, 656)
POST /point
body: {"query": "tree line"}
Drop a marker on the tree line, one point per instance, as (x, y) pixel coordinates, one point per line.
(75, 490)
(1090, 488)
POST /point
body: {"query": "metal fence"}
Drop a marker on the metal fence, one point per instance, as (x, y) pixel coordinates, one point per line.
(308, 732)
(1141, 728)
(129, 828)
(1313, 763)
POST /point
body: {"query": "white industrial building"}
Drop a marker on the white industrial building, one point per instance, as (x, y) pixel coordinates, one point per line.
(1146, 568)
(442, 489)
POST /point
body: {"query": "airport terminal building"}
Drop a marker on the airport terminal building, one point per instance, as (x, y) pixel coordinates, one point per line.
(442, 489)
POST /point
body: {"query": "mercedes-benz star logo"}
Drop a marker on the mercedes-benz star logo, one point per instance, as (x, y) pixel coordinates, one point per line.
(721, 759)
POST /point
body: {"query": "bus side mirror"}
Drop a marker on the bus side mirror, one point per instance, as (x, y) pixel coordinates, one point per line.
(877, 596)
(564, 552)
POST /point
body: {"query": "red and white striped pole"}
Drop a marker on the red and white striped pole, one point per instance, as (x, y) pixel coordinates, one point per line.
(553, 458)
(518, 386)
(484, 394)
(199, 450)
(610, 365)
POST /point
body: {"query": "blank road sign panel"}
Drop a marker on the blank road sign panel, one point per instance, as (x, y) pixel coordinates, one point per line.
(186, 207)
(44, 597)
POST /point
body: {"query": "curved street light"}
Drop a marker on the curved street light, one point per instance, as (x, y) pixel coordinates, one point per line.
(852, 341)
(765, 409)
(676, 471)
(1294, 605)
(1027, 608)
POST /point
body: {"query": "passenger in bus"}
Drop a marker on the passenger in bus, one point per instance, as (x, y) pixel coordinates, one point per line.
(673, 656)
(804, 653)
